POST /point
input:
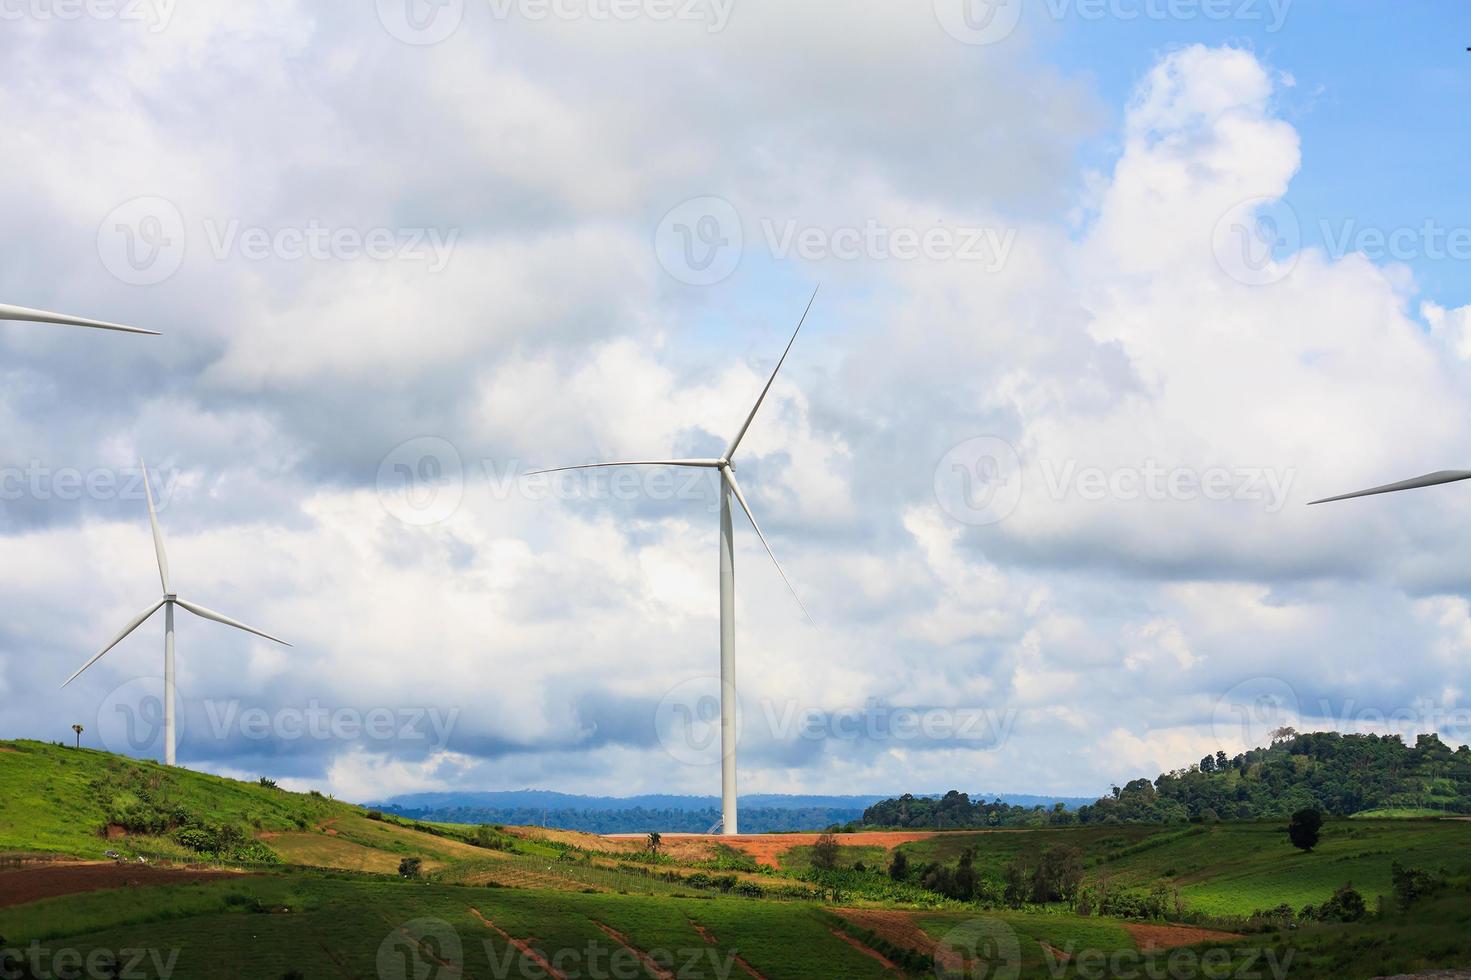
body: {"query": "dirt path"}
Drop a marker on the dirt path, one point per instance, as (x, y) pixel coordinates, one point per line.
(709, 937)
(648, 961)
(900, 929)
(49, 881)
(1149, 937)
(866, 950)
(520, 944)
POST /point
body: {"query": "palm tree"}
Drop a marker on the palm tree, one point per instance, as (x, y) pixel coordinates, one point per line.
(78, 729)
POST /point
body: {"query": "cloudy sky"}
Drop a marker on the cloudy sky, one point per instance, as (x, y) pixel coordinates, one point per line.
(1110, 290)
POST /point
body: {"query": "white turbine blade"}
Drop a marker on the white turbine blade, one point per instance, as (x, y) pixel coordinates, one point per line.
(1428, 480)
(163, 559)
(729, 453)
(736, 489)
(217, 617)
(136, 622)
(40, 316)
(706, 463)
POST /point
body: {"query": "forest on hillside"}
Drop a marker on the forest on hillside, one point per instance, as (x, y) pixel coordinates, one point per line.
(1340, 775)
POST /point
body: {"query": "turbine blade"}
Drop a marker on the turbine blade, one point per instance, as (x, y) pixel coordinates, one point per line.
(163, 559)
(1428, 480)
(706, 463)
(734, 443)
(136, 622)
(200, 611)
(40, 316)
(736, 489)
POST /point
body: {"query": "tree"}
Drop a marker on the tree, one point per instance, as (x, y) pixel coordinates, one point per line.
(825, 852)
(899, 866)
(409, 867)
(655, 841)
(1305, 829)
(78, 729)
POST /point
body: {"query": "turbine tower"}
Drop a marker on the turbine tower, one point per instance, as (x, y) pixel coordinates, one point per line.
(40, 316)
(729, 487)
(167, 603)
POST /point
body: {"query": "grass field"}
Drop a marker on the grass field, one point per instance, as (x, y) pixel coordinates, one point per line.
(520, 902)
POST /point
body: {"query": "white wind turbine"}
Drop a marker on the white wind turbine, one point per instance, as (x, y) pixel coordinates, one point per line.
(728, 487)
(168, 602)
(40, 316)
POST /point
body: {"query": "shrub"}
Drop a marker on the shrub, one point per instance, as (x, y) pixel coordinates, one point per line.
(410, 867)
(825, 852)
(1305, 829)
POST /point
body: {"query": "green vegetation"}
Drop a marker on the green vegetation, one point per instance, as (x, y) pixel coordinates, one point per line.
(1338, 775)
(333, 889)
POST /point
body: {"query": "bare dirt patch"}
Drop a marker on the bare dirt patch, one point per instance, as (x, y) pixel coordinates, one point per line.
(50, 881)
(900, 929)
(766, 848)
(1149, 937)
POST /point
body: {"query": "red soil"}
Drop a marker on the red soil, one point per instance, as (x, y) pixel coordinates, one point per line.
(51, 880)
(1148, 937)
(768, 848)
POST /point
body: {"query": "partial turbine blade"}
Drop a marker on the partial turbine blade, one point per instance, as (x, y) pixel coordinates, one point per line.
(163, 559)
(734, 443)
(1428, 480)
(40, 316)
(217, 617)
(736, 489)
(136, 622)
(706, 463)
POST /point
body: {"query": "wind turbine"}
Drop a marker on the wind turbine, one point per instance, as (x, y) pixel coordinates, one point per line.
(1428, 480)
(729, 487)
(40, 316)
(167, 603)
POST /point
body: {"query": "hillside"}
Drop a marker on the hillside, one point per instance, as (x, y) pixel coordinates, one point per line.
(337, 890)
(1341, 775)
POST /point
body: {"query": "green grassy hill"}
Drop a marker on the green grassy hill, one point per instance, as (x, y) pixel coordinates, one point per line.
(322, 893)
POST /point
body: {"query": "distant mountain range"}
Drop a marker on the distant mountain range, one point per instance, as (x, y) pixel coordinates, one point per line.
(760, 812)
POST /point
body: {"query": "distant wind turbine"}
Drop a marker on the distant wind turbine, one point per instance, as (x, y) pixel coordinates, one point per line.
(728, 487)
(40, 316)
(1428, 480)
(168, 602)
